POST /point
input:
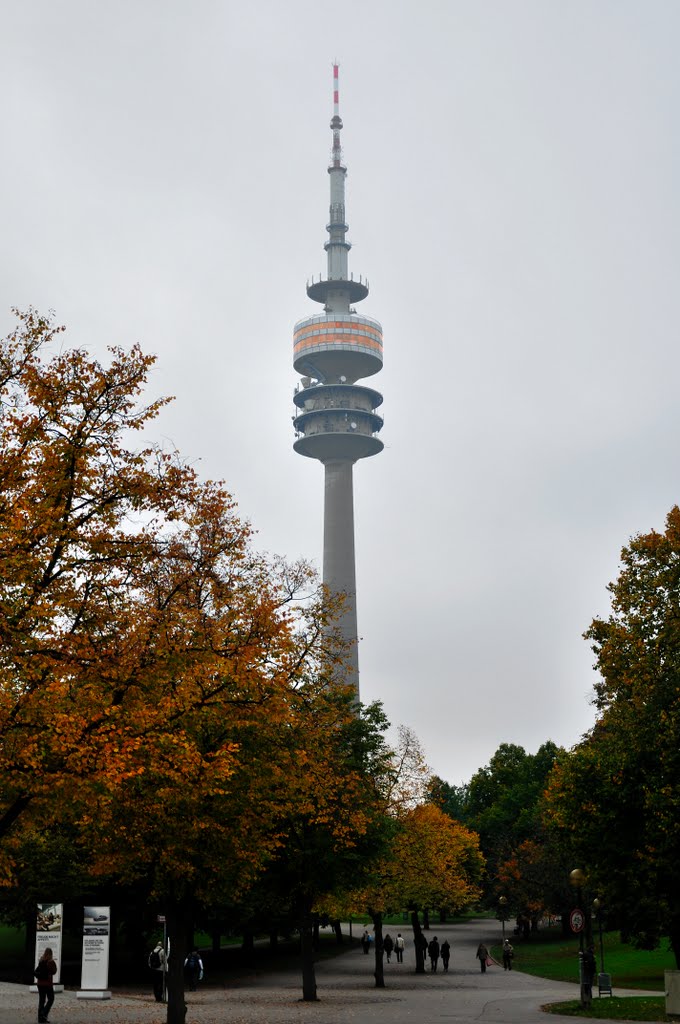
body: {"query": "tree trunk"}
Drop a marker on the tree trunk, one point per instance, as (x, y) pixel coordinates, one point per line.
(418, 943)
(306, 948)
(674, 937)
(339, 938)
(31, 929)
(442, 915)
(176, 918)
(14, 811)
(216, 940)
(379, 950)
(426, 920)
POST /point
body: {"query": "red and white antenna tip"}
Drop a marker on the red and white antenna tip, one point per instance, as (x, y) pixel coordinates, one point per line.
(336, 90)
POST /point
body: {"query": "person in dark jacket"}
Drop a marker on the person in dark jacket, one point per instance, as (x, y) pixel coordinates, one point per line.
(445, 951)
(388, 946)
(193, 966)
(433, 950)
(44, 975)
(482, 954)
(422, 943)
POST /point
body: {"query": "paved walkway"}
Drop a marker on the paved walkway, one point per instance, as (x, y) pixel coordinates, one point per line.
(346, 994)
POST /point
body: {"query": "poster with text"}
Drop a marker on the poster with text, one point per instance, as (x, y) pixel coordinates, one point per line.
(96, 928)
(48, 933)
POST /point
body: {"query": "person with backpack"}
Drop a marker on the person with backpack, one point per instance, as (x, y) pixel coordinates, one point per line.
(399, 948)
(193, 965)
(446, 953)
(158, 962)
(44, 973)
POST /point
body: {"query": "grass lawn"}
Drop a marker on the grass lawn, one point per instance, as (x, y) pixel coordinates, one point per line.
(550, 955)
(12, 941)
(619, 1008)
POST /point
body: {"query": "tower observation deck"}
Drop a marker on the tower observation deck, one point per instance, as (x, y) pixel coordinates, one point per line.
(335, 419)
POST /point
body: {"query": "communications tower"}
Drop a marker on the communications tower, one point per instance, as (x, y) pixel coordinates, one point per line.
(336, 420)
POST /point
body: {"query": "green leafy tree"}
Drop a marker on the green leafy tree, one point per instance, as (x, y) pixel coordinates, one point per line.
(453, 800)
(615, 800)
(502, 802)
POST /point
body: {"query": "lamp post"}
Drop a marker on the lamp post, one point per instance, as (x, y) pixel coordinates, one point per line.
(577, 919)
(502, 912)
(597, 908)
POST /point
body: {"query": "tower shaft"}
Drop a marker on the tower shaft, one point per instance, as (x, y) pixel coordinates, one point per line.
(339, 572)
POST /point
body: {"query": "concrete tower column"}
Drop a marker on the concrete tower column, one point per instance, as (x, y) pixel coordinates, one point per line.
(339, 573)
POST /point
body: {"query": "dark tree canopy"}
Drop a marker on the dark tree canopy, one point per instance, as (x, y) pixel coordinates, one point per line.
(616, 799)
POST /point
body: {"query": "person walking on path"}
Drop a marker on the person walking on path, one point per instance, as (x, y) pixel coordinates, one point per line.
(44, 973)
(433, 950)
(193, 965)
(158, 962)
(445, 950)
(508, 953)
(388, 946)
(399, 948)
(482, 955)
(365, 941)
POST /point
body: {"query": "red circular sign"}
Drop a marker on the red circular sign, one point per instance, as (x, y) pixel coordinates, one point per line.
(577, 920)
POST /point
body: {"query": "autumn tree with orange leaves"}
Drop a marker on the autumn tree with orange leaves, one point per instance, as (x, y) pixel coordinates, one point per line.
(78, 516)
(434, 862)
(534, 881)
(149, 659)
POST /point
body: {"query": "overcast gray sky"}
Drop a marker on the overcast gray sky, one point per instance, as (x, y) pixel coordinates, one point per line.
(513, 200)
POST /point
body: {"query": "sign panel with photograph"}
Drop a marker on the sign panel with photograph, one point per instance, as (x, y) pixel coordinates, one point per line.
(95, 971)
(48, 933)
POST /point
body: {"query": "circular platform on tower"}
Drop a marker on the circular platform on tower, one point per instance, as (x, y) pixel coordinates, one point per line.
(328, 447)
(320, 291)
